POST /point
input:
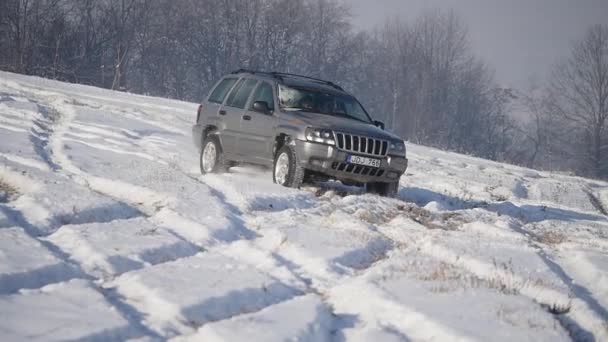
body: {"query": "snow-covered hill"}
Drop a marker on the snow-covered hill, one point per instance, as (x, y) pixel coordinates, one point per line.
(108, 231)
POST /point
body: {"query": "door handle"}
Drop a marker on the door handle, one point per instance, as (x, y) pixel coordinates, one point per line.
(222, 112)
(247, 117)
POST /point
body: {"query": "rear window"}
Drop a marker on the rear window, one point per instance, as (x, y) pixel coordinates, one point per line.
(238, 97)
(219, 93)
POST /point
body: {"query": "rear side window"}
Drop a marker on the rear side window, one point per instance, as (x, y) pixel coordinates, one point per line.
(219, 93)
(234, 91)
(238, 97)
(264, 93)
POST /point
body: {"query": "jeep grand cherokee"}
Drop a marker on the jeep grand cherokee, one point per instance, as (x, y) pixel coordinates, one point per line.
(302, 127)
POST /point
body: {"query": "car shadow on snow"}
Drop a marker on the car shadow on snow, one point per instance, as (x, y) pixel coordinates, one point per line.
(238, 228)
(526, 213)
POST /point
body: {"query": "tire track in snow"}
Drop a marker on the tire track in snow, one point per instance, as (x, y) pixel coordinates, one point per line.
(584, 320)
(342, 291)
(586, 317)
(145, 200)
(378, 308)
(581, 317)
(596, 201)
(153, 204)
(73, 270)
(159, 207)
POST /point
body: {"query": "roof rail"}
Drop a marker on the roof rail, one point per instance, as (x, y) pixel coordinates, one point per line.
(280, 75)
(274, 73)
(244, 71)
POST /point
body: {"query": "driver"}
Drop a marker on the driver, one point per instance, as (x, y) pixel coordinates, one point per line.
(306, 103)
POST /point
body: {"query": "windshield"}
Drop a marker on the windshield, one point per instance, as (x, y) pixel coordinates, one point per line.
(317, 101)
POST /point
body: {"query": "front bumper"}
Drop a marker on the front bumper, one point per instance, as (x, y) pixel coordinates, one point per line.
(331, 161)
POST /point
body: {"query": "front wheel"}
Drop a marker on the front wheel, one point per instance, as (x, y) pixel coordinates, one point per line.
(212, 158)
(287, 171)
(384, 189)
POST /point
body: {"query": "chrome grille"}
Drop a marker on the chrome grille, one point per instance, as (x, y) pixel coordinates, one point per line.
(361, 145)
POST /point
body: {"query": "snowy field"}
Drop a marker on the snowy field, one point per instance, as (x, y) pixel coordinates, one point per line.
(109, 232)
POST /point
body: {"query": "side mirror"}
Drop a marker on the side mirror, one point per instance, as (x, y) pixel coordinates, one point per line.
(379, 124)
(261, 106)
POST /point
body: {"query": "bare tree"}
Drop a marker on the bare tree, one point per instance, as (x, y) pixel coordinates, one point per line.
(124, 17)
(579, 94)
(421, 77)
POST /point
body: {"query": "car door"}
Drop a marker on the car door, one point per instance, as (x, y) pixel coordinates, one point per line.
(258, 127)
(232, 113)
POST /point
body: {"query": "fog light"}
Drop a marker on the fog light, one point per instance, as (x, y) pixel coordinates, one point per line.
(316, 162)
(393, 175)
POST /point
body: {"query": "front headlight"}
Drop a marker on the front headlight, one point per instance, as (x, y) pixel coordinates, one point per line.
(397, 148)
(320, 135)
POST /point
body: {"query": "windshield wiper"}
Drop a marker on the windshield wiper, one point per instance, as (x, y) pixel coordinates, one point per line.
(302, 109)
(344, 115)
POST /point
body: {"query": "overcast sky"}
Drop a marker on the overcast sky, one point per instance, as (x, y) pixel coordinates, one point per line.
(519, 39)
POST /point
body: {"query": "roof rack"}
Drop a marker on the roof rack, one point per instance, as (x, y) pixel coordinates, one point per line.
(280, 75)
(274, 73)
(245, 71)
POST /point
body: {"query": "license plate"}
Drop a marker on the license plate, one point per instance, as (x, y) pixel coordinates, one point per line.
(363, 161)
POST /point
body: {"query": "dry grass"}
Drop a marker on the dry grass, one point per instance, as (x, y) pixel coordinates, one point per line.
(443, 272)
(550, 238)
(7, 192)
(443, 277)
(444, 221)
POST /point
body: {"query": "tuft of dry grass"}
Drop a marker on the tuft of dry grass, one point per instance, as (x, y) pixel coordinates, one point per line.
(443, 272)
(444, 221)
(446, 277)
(7, 192)
(550, 238)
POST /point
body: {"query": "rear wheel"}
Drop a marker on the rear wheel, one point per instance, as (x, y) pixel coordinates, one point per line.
(212, 158)
(384, 189)
(287, 171)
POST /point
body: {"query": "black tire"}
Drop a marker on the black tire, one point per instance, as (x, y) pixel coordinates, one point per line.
(220, 164)
(295, 172)
(384, 189)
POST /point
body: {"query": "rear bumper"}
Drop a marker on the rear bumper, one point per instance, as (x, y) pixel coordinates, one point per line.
(197, 135)
(330, 161)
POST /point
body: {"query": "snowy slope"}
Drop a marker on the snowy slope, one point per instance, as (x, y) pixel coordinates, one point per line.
(108, 231)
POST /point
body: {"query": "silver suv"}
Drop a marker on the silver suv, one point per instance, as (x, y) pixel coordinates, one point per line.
(302, 127)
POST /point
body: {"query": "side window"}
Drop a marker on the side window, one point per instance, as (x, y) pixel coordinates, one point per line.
(238, 97)
(219, 93)
(264, 93)
(234, 91)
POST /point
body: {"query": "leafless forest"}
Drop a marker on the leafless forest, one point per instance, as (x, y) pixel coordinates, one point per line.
(420, 76)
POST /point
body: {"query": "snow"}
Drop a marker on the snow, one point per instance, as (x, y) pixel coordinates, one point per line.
(108, 249)
(109, 232)
(304, 318)
(199, 289)
(26, 263)
(64, 311)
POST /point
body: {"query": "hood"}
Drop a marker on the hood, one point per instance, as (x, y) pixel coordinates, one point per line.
(340, 124)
